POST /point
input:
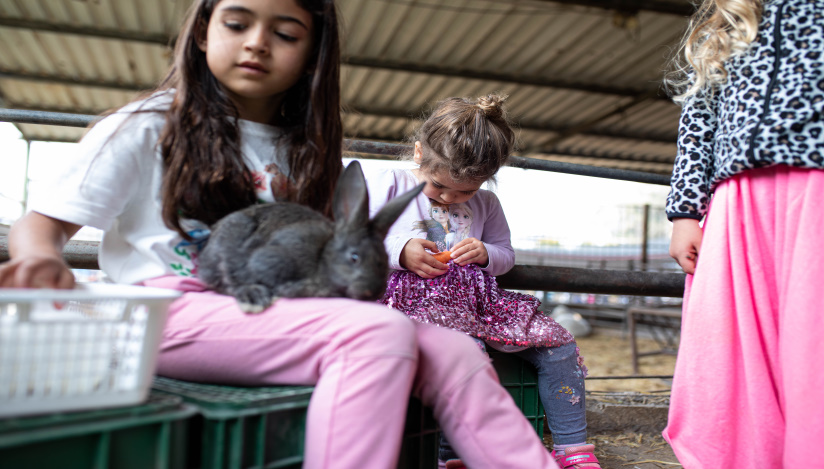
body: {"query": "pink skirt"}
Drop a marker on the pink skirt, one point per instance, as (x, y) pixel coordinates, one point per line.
(468, 300)
(749, 381)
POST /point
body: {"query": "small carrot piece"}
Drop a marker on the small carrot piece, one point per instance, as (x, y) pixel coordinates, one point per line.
(443, 256)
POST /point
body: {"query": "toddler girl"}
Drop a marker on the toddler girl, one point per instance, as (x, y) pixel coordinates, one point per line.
(461, 145)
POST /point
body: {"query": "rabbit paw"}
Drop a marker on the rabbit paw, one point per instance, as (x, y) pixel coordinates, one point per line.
(252, 299)
(250, 308)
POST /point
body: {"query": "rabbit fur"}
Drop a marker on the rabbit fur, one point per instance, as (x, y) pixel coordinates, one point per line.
(284, 249)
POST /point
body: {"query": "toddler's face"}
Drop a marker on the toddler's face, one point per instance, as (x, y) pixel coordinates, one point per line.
(441, 188)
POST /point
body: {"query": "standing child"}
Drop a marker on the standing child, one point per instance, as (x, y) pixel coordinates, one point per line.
(748, 389)
(253, 94)
(461, 145)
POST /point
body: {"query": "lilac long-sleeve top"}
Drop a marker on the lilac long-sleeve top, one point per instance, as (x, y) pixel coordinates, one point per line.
(482, 217)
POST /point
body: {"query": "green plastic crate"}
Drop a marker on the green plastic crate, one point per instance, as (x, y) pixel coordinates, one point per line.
(244, 427)
(265, 426)
(420, 438)
(520, 378)
(151, 435)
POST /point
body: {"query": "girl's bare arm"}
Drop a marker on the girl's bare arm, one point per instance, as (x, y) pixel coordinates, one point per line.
(36, 250)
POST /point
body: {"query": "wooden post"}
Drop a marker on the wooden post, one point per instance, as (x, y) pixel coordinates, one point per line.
(645, 238)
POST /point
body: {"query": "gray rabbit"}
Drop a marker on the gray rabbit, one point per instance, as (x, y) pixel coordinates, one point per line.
(285, 249)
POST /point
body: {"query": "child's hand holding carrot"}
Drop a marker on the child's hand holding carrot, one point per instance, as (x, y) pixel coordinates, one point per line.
(470, 251)
(417, 257)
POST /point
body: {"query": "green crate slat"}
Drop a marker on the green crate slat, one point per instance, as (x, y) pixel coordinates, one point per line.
(219, 402)
(154, 403)
(419, 449)
(134, 437)
(244, 427)
(520, 378)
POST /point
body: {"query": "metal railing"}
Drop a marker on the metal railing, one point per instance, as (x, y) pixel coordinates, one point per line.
(83, 254)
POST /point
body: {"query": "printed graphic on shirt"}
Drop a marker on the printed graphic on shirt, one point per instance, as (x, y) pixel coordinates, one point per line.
(271, 184)
(261, 187)
(187, 252)
(460, 221)
(437, 227)
(447, 225)
(279, 183)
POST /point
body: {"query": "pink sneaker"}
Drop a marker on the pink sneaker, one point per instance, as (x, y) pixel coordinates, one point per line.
(577, 457)
(451, 464)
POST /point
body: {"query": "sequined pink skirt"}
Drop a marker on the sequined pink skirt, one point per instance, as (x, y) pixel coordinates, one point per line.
(469, 300)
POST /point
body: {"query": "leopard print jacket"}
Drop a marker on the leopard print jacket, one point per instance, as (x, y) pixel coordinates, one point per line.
(769, 111)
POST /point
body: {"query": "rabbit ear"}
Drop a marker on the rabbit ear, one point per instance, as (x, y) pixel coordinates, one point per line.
(351, 200)
(390, 212)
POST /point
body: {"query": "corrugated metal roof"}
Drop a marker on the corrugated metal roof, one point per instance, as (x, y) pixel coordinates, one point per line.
(582, 78)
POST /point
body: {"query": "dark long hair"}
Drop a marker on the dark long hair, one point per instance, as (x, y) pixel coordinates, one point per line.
(205, 177)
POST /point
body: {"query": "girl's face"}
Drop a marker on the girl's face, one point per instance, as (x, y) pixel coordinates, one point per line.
(460, 219)
(440, 187)
(258, 49)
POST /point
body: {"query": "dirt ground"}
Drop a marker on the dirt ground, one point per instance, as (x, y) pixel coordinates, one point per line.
(608, 353)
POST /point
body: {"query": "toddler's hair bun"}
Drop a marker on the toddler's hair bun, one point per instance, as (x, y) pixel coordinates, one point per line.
(492, 105)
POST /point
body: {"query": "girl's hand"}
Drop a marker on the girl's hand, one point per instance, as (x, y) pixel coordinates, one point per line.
(686, 243)
(36, 272)
(36, 250)
(415, 258)
(470, 251)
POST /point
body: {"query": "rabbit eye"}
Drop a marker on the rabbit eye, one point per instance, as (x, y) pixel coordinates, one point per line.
(354, 257)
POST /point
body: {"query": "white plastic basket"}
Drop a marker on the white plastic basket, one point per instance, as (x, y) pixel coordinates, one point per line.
(91, 347)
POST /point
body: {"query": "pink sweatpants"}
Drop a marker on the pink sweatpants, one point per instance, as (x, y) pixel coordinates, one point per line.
(364, 359)
(749, 389)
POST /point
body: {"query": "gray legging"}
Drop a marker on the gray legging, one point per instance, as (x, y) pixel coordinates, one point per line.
(561, 387)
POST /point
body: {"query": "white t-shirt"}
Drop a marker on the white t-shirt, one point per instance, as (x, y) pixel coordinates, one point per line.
(114, 184)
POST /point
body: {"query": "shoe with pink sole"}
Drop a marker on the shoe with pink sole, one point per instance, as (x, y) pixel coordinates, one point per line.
(577, 457)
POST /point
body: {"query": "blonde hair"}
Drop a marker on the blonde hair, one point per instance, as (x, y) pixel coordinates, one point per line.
(720, 29)
(470, 139)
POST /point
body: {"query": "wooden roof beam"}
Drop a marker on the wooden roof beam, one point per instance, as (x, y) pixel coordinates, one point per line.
(564, 131)
(678, 8)
(456, 72)
(133, 36)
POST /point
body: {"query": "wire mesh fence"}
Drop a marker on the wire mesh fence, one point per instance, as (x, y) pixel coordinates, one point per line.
(615, 238)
